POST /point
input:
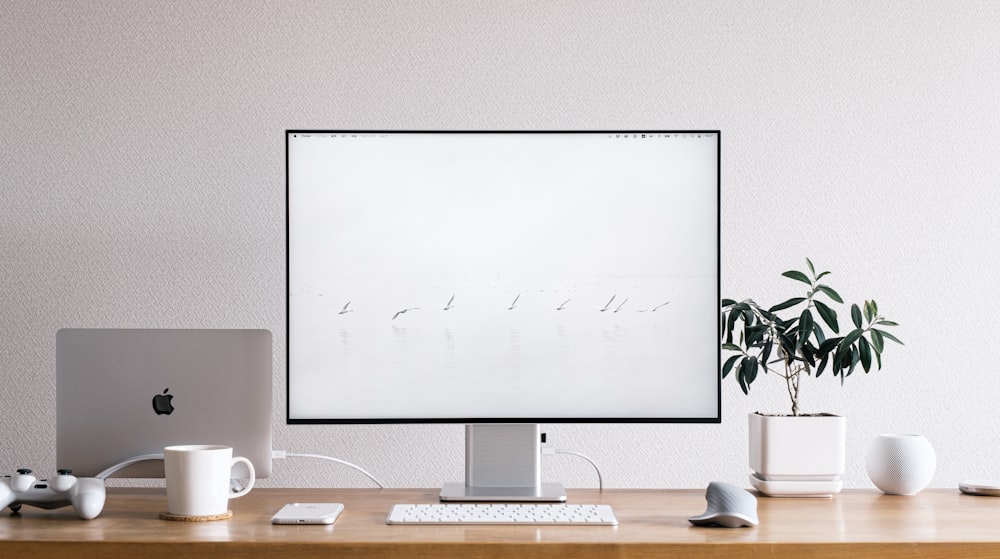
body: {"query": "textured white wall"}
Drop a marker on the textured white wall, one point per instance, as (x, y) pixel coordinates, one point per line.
(142, 185)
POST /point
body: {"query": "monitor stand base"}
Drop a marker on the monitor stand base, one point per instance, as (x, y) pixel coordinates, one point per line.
(503, 464)
(547, 492)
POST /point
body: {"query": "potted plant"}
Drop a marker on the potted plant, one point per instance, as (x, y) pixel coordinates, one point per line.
(806, 343)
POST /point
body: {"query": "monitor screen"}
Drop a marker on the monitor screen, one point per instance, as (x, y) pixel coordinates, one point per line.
(503, 277)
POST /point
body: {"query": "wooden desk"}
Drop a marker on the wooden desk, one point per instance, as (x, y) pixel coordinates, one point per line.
(653, 523)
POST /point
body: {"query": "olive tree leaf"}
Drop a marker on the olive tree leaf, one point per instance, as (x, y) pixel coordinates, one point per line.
(856, 315)
(888, 335)
(731, 324)
(799, 276)
(822, 365)
(850, 338)
(877, 341)
(788, 345)
(870, 311)
(865, 351)
(842, 357)
(827, 346)
(789, 303)
(727, 368)
(747, 373)
(828, 315)
(809, 354)
(805, 327)
(755, 334)
(830, 293)
(818, 331)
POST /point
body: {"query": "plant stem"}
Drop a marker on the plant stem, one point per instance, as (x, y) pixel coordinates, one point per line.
(791, 376)
(792, 380)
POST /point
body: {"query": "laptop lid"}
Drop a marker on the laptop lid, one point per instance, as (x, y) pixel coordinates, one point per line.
(122, 393)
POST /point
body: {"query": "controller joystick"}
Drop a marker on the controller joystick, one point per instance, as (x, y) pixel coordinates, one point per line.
(85, 495)
(63, 481)
(22, 480)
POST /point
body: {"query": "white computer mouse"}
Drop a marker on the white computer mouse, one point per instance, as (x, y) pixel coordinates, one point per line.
(729, 506)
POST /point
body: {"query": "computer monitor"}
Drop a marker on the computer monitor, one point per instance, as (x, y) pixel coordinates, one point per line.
(503, 280)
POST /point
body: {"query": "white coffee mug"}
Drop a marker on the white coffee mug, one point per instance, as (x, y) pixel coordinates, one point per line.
(198, 479)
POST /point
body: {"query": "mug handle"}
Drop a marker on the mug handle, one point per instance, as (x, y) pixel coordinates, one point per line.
(253, 474)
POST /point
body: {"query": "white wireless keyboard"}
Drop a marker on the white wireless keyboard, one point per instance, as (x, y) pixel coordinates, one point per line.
(503, 513)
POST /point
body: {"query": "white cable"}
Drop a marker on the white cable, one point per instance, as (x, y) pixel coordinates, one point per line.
(283, 454)
(275, 454)
(125, 463)
(600, 480)
(234, 485)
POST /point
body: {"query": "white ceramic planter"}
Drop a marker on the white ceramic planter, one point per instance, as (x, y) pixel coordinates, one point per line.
(803, 448)
(900, 464)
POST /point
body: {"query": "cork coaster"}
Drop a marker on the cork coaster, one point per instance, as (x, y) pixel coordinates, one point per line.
(183, 518)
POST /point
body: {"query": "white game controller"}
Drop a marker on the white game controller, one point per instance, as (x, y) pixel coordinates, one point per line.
(86, 494)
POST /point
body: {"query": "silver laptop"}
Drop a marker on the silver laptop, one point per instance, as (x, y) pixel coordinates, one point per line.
(126, 393)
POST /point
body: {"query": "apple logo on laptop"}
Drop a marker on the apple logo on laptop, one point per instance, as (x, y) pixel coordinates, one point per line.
(162, 403)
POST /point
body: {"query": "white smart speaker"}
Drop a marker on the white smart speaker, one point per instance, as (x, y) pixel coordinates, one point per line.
(900, 464)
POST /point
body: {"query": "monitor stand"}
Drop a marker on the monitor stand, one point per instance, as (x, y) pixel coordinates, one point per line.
(503, 463)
